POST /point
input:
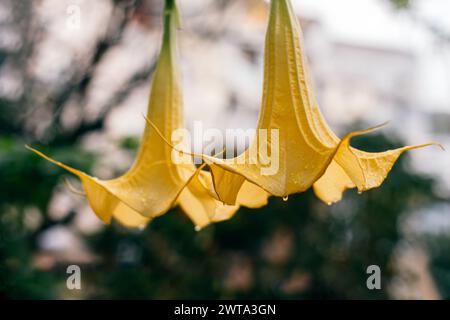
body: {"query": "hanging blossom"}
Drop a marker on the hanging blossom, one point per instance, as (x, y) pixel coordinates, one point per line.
(155, 184)
(291, 130)
(309, 153)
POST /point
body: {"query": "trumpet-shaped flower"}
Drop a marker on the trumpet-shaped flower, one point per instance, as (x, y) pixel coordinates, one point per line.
(154, 184)
(308, 152)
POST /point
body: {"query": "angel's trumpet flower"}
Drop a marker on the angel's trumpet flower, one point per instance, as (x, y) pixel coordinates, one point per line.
(154, 184)
(308, 152)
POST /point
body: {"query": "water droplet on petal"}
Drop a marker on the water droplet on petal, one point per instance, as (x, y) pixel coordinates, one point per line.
(197, 228)
(329, 203)
(286, 198)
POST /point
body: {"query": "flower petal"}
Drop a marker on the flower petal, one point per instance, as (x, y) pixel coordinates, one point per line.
(152, 185)
(308, 153)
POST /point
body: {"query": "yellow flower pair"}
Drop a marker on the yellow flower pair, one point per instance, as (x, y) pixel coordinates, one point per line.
(309, 153)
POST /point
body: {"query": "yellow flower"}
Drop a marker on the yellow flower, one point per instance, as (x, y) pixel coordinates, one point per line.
(307, 151)
(154, 184)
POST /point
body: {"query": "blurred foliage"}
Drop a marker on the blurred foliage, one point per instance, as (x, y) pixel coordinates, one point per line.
(295, 249)
(26, 184)
(438, 248)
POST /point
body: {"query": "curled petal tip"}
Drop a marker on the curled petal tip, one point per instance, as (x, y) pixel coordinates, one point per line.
(366, 131)
(160, 134)
(377, 127)
(426, 145)
(73, 189)
(439, 145)
(382, 125)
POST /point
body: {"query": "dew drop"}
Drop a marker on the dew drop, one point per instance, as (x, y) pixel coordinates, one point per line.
(197, 228)
(286, 198)
(329, 203)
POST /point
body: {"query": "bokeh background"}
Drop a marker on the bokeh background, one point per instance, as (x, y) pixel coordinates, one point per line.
(79, 92)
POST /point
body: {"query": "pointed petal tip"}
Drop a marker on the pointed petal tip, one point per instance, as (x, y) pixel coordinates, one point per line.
(73, 189)
(365, 131)
(159, 133)
(430, 144)
(42, 155)
(27, 146)
(438, 145)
